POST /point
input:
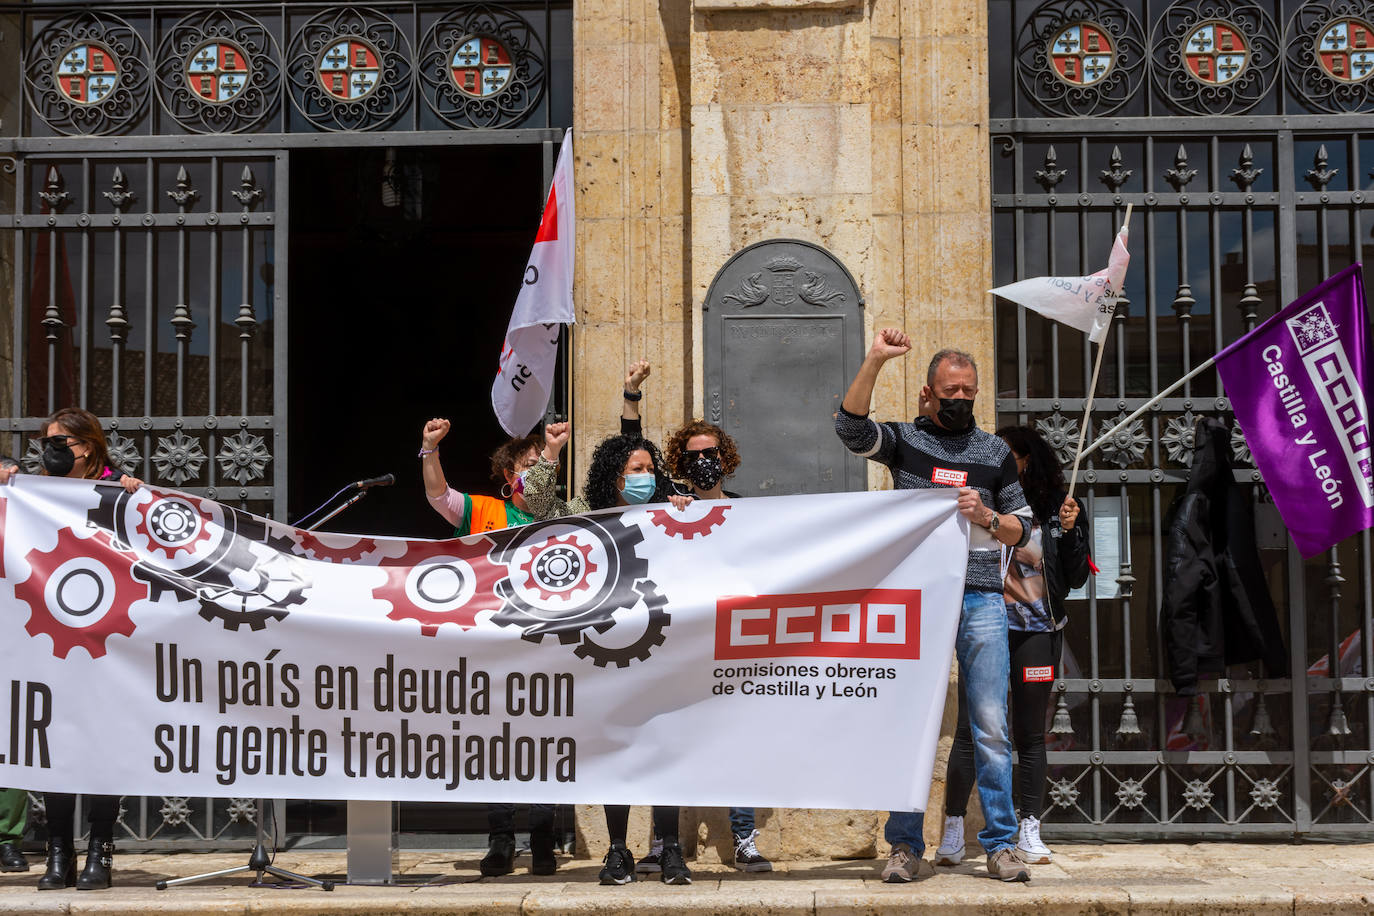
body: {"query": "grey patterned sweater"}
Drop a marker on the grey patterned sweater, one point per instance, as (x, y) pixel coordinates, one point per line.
(922, 455)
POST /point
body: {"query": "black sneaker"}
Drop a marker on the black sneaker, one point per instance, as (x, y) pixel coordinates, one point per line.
(674, 866)
(542, 860)
(500, 857)
(747, 856)
(649, 864)
(619, 867)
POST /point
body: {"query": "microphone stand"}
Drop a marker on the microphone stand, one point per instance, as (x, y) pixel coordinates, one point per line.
(260, 860)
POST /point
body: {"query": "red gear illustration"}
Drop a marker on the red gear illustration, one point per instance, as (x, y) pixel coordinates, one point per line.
(173, 524)
(315, 549)
(96, 554)
(562, 563)
(411, 568)
(673, 527)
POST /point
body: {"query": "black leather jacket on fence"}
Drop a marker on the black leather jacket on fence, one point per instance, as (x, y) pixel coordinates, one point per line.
(1217, 610)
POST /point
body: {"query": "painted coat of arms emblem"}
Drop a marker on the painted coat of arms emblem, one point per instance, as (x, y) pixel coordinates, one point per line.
(1082, 54)
(1346, 50)
(481, 66)
(87, 73)
(1216, 53)
(350, 69)
(217, 72)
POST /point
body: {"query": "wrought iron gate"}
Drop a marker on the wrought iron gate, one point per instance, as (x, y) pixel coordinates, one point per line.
(1243, 134)
(145, 184)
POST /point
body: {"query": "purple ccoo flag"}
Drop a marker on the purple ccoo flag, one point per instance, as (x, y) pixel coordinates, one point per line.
(1297, 386)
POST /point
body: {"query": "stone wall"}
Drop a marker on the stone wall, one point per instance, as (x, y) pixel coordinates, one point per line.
(703, 126)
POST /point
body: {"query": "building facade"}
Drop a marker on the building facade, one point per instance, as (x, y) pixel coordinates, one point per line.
(217, 215)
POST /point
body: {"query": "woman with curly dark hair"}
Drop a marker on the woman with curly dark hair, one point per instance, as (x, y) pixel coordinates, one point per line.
(626, 470)
(1037, 581)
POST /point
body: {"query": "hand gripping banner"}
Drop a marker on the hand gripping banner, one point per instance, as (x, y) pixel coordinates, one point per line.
(622, 656)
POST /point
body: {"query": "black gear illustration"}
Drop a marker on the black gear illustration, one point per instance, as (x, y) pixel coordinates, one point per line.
(210, 580)
(640, 649)
(625, 568)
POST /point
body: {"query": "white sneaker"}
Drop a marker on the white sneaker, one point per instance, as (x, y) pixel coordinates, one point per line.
(951, 851)
(1032, 849)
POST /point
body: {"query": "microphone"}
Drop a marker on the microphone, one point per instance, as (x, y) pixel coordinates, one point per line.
(385, 480)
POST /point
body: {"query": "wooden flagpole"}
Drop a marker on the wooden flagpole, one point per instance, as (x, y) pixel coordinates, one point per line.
(1092, 386)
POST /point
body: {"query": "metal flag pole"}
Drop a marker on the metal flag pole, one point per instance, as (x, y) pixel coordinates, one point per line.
(1092, 386)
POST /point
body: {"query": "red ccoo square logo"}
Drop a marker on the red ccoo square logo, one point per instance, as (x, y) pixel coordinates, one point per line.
(949, 478)
(864, 623)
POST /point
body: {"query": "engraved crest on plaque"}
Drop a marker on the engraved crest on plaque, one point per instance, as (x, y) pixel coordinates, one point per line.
(781, 286)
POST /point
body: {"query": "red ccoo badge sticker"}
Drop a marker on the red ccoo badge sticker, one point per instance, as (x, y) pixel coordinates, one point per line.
(1040, 674)
(949, 478)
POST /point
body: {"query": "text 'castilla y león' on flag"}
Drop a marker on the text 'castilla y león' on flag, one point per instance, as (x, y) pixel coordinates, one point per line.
(1085, 303)
(1297, 386)
(524, 378)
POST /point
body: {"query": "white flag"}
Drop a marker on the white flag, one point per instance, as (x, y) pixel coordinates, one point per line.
(1085, 303)
(524, 377)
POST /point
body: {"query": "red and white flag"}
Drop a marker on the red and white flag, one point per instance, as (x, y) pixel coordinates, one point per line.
(1085, 303)
(524, 378)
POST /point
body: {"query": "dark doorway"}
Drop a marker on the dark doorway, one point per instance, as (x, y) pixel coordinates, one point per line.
(404, 266)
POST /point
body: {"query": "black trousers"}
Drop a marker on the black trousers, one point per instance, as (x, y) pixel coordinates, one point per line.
(501, 819)
(1029, 701)
(101, 811)
(665, 822)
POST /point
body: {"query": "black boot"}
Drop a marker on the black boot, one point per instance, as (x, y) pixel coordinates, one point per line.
(11, 859)
(99, 857)
(500, 857)
(542, 861)
(61, 870)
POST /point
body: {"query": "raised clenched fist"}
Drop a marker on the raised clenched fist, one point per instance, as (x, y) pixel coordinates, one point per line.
(435, 430)
(890, 342)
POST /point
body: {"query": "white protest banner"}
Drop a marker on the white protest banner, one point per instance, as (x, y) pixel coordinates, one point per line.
(622, 656)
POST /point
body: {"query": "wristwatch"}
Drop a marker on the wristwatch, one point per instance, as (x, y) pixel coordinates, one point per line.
(995, 523)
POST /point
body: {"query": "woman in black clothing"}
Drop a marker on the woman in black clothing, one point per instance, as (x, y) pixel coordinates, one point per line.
(1037, 581)
(74, 446)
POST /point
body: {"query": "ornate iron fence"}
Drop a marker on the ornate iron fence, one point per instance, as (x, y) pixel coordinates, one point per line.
(1243, 134)
(144, 198)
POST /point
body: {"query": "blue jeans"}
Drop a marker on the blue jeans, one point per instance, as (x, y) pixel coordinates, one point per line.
(741, 821)
(984, 666)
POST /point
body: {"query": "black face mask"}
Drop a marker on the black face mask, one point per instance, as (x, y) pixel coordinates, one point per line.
(58, 460)
(705, 472)
(956, 414)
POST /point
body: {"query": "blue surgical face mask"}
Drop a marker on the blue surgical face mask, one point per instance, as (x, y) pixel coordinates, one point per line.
(639, 488)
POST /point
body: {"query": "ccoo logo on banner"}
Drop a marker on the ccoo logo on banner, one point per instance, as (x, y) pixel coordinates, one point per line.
(620, 656)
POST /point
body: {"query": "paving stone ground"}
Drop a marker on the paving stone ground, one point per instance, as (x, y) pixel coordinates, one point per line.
(1203, 878)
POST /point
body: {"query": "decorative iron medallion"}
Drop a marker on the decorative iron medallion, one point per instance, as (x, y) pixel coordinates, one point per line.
(86, 74)
(1081, 57)
(350, 69)
(218, 72)
(1214, 57)
(1215, 53)
(1082, 54)
(482, 66)
(1330, 55)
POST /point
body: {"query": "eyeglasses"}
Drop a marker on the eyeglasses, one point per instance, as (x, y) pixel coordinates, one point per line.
(59, 441)
(692, 454)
